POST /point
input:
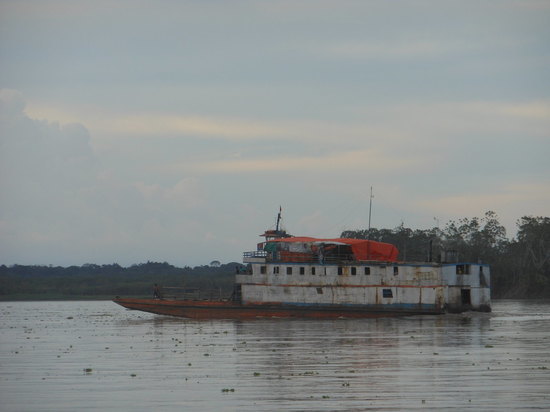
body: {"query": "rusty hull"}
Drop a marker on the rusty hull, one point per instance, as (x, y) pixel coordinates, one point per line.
(195, 309)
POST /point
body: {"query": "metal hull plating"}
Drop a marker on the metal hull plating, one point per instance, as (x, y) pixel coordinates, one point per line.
(229, 310)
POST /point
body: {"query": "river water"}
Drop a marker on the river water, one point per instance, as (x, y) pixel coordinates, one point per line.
(67, 356)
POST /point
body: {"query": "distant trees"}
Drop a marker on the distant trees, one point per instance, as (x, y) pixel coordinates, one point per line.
(520, 267)
(42, 282)
(524, 268)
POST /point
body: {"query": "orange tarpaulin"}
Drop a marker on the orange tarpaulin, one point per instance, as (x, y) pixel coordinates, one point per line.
(362, 249)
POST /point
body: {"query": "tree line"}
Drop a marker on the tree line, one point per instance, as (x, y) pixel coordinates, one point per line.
(108, 281)
(520, 267)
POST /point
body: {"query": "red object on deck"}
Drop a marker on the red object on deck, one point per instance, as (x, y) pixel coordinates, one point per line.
(362, 249)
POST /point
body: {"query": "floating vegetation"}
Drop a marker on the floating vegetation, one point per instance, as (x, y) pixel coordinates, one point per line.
(88, 370)
(489, 346)
(133, 375)
(225, 390)
(256, 373)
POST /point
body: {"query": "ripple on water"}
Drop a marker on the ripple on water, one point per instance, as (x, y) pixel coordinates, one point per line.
(97, 355)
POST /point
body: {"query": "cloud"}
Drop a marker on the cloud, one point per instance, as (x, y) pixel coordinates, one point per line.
(385, 50)
(39, 155)
(389, 125)
(527, 110)
(187, 193)
(147, 124)
(12, 103)
(340, 162)
(61, 204)
(507, 199)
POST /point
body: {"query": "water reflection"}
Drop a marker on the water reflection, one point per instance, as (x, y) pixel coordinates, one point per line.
(143, 361)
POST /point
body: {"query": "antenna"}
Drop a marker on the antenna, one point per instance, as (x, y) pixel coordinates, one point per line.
(278, 218)
(370, 210)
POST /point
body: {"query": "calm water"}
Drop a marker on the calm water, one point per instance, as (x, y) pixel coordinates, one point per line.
(67, 356)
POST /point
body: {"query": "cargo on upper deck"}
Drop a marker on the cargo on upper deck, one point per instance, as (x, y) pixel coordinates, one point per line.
(308, 249)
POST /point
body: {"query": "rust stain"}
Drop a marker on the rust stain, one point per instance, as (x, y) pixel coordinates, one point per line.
(306, 285)
(230, 310)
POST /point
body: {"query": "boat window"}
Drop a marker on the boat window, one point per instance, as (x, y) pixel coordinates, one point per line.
(463, 269)
(313, 271)
(367, 270)
(340, 270)
(387, 293)
(319, 291)
(276, 270)
(354, 271)
(263, 270)
(302, 270)
(289, 270)
(395, 270)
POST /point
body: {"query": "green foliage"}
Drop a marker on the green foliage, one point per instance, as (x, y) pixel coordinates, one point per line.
(527, 258)
(520, 267)
(91, 280)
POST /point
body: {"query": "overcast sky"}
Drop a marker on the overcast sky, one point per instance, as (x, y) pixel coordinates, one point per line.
(173, 130)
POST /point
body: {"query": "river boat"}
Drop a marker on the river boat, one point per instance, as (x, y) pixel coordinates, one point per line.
(306, 277)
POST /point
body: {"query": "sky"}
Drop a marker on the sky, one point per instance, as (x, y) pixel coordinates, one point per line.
(135, 131)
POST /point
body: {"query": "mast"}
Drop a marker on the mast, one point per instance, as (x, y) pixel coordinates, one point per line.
(370, 210)
(278, 232)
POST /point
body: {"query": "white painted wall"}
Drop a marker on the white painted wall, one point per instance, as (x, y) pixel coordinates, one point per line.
(411, 284)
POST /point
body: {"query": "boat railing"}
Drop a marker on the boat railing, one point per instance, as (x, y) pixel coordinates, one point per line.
(282, 257)
(333, 259)
(278, 257)
(255, 254)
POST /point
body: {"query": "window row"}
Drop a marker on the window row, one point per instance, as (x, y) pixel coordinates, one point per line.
(312, 270)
